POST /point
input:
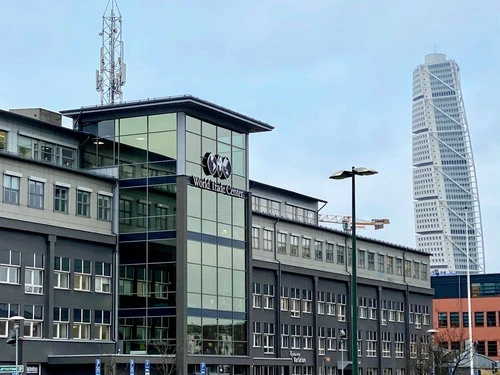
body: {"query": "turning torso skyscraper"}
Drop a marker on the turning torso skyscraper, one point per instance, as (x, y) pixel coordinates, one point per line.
(445, 195)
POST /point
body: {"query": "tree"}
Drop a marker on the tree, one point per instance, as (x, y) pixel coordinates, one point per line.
(446, 352)
(167, 350)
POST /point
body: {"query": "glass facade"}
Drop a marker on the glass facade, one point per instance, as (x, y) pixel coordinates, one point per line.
(146, 153)
(216, 247)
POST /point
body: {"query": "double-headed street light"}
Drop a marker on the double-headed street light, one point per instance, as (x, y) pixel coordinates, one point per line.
(341, 175)
(18, 320)
(433, 332)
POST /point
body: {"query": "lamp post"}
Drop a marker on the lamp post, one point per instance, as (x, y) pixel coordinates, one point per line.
(17, 321)
(341, 175)
(342, 338)
(433, 332)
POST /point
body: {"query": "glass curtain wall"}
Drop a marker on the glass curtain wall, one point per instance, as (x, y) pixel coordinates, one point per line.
(216, 270)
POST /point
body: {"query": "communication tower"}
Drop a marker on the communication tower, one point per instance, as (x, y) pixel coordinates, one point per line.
(111, 75)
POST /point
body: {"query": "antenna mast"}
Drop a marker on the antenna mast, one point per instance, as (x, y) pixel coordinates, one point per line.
(111, 75)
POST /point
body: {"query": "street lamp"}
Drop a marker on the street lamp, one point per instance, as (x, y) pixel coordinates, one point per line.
(17, 321)
(343, 336)
(469, 309)
(433, 332)
(341, 175)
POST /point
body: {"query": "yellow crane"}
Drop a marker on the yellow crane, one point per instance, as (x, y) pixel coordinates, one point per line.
(346, 222)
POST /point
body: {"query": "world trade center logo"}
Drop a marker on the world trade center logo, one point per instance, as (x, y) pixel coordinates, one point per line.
(217, 166)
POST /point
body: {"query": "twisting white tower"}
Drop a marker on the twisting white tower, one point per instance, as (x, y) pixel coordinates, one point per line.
(444, 179)
(111, 74)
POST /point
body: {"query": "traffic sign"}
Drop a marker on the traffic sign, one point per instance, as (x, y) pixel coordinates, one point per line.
(97, 367)
(203, 368)
(11, 369)
(132, 367)
(146, 367)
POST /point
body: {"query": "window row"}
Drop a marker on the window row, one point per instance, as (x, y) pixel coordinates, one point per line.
(79, 327)
(34, 269)
(291, 212)
(295, 245)
(36, 195)
(461, 319)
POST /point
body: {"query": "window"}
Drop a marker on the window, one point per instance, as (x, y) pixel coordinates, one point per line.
(295, 337)
(399, 345)
(381, 263)
(294, 245)
(306, 247)
(268, 338)
(103, 207)
(383, 312)
(268, 240)
(282, 243)
(361, 259)
(61, 323)
(284, 299)
(307, 301)
(11, 186)
(423, 271)
(321, 303)
(386, 344)
(61, 199)
(256, 296)
(392, 311)
(372, 309)
(416, 270)
(102, 325)
(295, 302)
(102, 277)
(307, 337)
(442, 319)
(3, 140)
(371, 343)
(7, 310)
(341, 304)
(479, 319)
(330, 304)
(340, 254)
(33, 274)
(390, 265)
(268, 296)
(362, 308)
(408, 268)
(82, 275)
(33, 315)
(285, 336)
(61, 273)
(321, 340)
(454, 319)
(330, 250)
(255, 237)
(83, 203)
(35, 194)
(465, 319)
(257, 335)
(318, 250)
(400, 312)
(125, 211)
(492, 349)
(10, 266)
(81, 324)
(142, 213)
(491, 319)
(399, 266)
(331, 339)
(371, 261)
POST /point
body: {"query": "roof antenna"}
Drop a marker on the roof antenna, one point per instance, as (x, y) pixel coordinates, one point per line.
(111, 75)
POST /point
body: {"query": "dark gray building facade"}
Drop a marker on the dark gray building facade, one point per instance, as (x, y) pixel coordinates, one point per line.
(208, 272)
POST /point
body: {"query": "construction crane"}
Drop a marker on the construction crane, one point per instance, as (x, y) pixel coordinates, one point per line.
(346, 222)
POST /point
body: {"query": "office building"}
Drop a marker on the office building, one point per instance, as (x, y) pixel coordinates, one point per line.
(217, 269)
(57, 248)
(451, 312)
(446, 203)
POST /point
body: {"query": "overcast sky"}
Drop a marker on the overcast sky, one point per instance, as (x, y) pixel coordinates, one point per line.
(334, 77)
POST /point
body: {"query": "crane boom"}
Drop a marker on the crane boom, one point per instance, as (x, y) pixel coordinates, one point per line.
(346, 221)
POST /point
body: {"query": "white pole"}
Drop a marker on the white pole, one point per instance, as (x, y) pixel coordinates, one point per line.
(469, 309)
(342, 358)
(16, 328)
